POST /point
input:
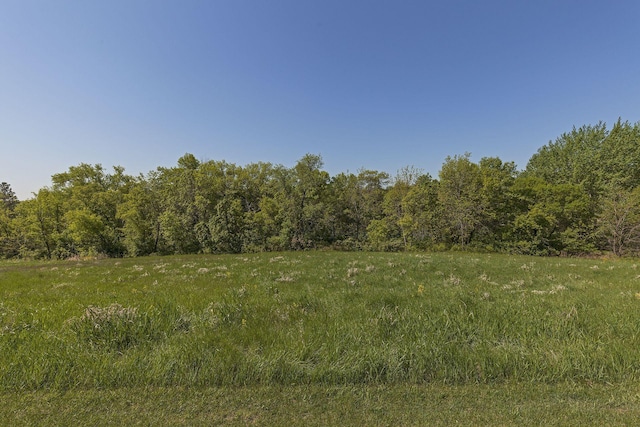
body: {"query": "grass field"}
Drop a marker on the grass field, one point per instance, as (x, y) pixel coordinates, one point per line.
(320, 338)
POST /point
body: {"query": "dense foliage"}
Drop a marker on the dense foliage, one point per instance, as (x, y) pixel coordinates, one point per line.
(579, 194)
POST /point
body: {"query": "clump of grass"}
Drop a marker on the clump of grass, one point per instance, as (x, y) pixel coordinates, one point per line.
(113, 327)
(352, 271)
(118, 328)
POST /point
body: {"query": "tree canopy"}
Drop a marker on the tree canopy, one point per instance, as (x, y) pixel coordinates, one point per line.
(578, 194)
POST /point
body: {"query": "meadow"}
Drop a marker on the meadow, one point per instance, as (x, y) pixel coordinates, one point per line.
(317, 338)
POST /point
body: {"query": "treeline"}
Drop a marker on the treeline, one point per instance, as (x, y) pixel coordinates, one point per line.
(577, 195)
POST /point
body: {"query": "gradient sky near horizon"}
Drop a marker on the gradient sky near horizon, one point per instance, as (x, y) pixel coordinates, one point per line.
(379, 84)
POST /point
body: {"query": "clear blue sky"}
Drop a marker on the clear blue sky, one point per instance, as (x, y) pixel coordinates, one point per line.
(374, 84)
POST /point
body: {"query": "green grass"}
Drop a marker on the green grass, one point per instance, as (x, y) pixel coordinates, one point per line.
(316, 405)
(505, 337)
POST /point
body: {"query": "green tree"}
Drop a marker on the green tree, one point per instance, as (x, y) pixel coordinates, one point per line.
(92, 197)
(553, 218)
(619, 221)
(9, 246)
(421, 220)
(355, 200)
(302, 193)
(228, 226)
(8, 198)
(572, 159)
(181, 206)
(387, 232)
(461, 197)
(591, 156)
(409, 209)
(500, 206)
(140, 212)
(618, 161)
(42, 227)
(6, 234)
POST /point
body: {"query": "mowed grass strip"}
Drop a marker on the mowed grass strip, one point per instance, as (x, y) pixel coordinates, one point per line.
(562, 404)
(317, 319)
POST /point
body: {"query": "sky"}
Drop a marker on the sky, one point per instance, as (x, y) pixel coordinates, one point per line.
(375, 84)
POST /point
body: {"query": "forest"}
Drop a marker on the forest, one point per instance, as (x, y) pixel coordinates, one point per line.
(578, 195)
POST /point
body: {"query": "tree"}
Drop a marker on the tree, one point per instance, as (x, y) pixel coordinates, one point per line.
(361, 201)
(421, 220)
(553, 218)
(91, 199)
(303, 192)
(618, 162)
(8, 198)
(355, 200)
(140, 212)
(42, 227)
(252, 190)
(572, 159)
(619, 220)
(393, 209)
(8, 239)
(227, 226)
(181, 209)
(500, 210)
(461, 198)
(593, 157)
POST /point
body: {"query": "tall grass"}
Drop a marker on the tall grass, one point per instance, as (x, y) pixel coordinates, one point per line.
(318, 317)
